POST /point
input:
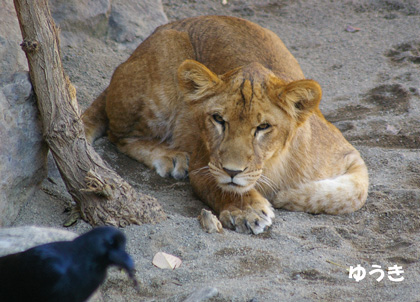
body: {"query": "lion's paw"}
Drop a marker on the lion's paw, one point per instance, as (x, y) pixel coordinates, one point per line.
(256, 219)
(175, 164)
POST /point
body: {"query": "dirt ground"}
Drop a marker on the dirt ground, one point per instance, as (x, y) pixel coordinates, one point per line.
(371, 85)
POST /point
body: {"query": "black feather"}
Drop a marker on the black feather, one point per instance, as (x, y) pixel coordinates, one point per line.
(64, 271)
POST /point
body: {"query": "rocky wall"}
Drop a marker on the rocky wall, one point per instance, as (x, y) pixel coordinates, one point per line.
(22, 150)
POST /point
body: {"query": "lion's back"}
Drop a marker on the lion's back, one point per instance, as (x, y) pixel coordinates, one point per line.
(224, 43)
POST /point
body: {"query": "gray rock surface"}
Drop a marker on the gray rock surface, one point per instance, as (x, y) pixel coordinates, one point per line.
(123, 21)
(82, 16)
(202, 294)
(12, 57)
(132, 21)
(19, 239)
(22, 150)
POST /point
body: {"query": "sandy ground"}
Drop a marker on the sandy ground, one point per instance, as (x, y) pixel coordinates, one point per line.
(370, 80)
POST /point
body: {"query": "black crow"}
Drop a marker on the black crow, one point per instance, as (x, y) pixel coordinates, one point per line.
(64, 271)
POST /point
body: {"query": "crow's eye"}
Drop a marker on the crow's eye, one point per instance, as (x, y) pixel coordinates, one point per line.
(112, 242)
(264, 126)
(218, 119)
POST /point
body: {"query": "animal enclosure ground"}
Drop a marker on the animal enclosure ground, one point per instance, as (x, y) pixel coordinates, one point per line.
(371, 92)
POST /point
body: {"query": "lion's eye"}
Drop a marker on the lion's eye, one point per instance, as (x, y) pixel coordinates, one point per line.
(218, 119)
(264, 126)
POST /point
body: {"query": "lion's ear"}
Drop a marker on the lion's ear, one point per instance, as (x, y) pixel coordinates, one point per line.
(195, 80)
(301, 98)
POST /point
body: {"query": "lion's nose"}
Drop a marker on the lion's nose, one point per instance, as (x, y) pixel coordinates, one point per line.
(232, 173)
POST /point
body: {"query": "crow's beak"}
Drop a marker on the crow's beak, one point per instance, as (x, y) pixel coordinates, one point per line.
(123, 260)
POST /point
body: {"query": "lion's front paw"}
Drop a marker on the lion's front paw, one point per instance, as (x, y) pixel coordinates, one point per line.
(174, 164)
(252, 219)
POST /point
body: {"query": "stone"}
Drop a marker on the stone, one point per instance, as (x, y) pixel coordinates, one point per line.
(124, 21)
(202, 294)
(82, 16)
(19, 239)
(133, 21)
(12, 58)
(22, 149)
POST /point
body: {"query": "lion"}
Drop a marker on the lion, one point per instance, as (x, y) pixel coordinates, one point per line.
(221, 100)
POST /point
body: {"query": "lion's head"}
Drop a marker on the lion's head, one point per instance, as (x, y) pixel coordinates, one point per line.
(246, 117)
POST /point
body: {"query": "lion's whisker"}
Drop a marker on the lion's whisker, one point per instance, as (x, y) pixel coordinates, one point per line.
(264, 180)
(200, 170)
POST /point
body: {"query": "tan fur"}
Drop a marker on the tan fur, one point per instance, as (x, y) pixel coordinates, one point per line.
(223, 98)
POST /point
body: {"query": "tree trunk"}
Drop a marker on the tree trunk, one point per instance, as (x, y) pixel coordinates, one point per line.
(102, 196)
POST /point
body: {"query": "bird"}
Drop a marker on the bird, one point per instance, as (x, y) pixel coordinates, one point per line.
(64, 271)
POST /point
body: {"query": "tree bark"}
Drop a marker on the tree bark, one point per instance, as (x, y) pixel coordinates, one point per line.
(102, 196)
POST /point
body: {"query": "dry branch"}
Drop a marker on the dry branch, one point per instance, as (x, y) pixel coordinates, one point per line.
(101, 194)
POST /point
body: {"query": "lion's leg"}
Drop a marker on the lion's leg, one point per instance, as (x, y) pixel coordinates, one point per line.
(244, 213)
(343, 194)
(156, 155)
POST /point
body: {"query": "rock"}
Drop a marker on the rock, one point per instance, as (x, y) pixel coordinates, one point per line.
(202, 294)
(133, 20)
(12, 58)
(19, 239)
(22, 150)
(124, 21)
(86, 16)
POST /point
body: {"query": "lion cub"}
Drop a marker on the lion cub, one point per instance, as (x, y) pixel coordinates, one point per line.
(222, 100)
